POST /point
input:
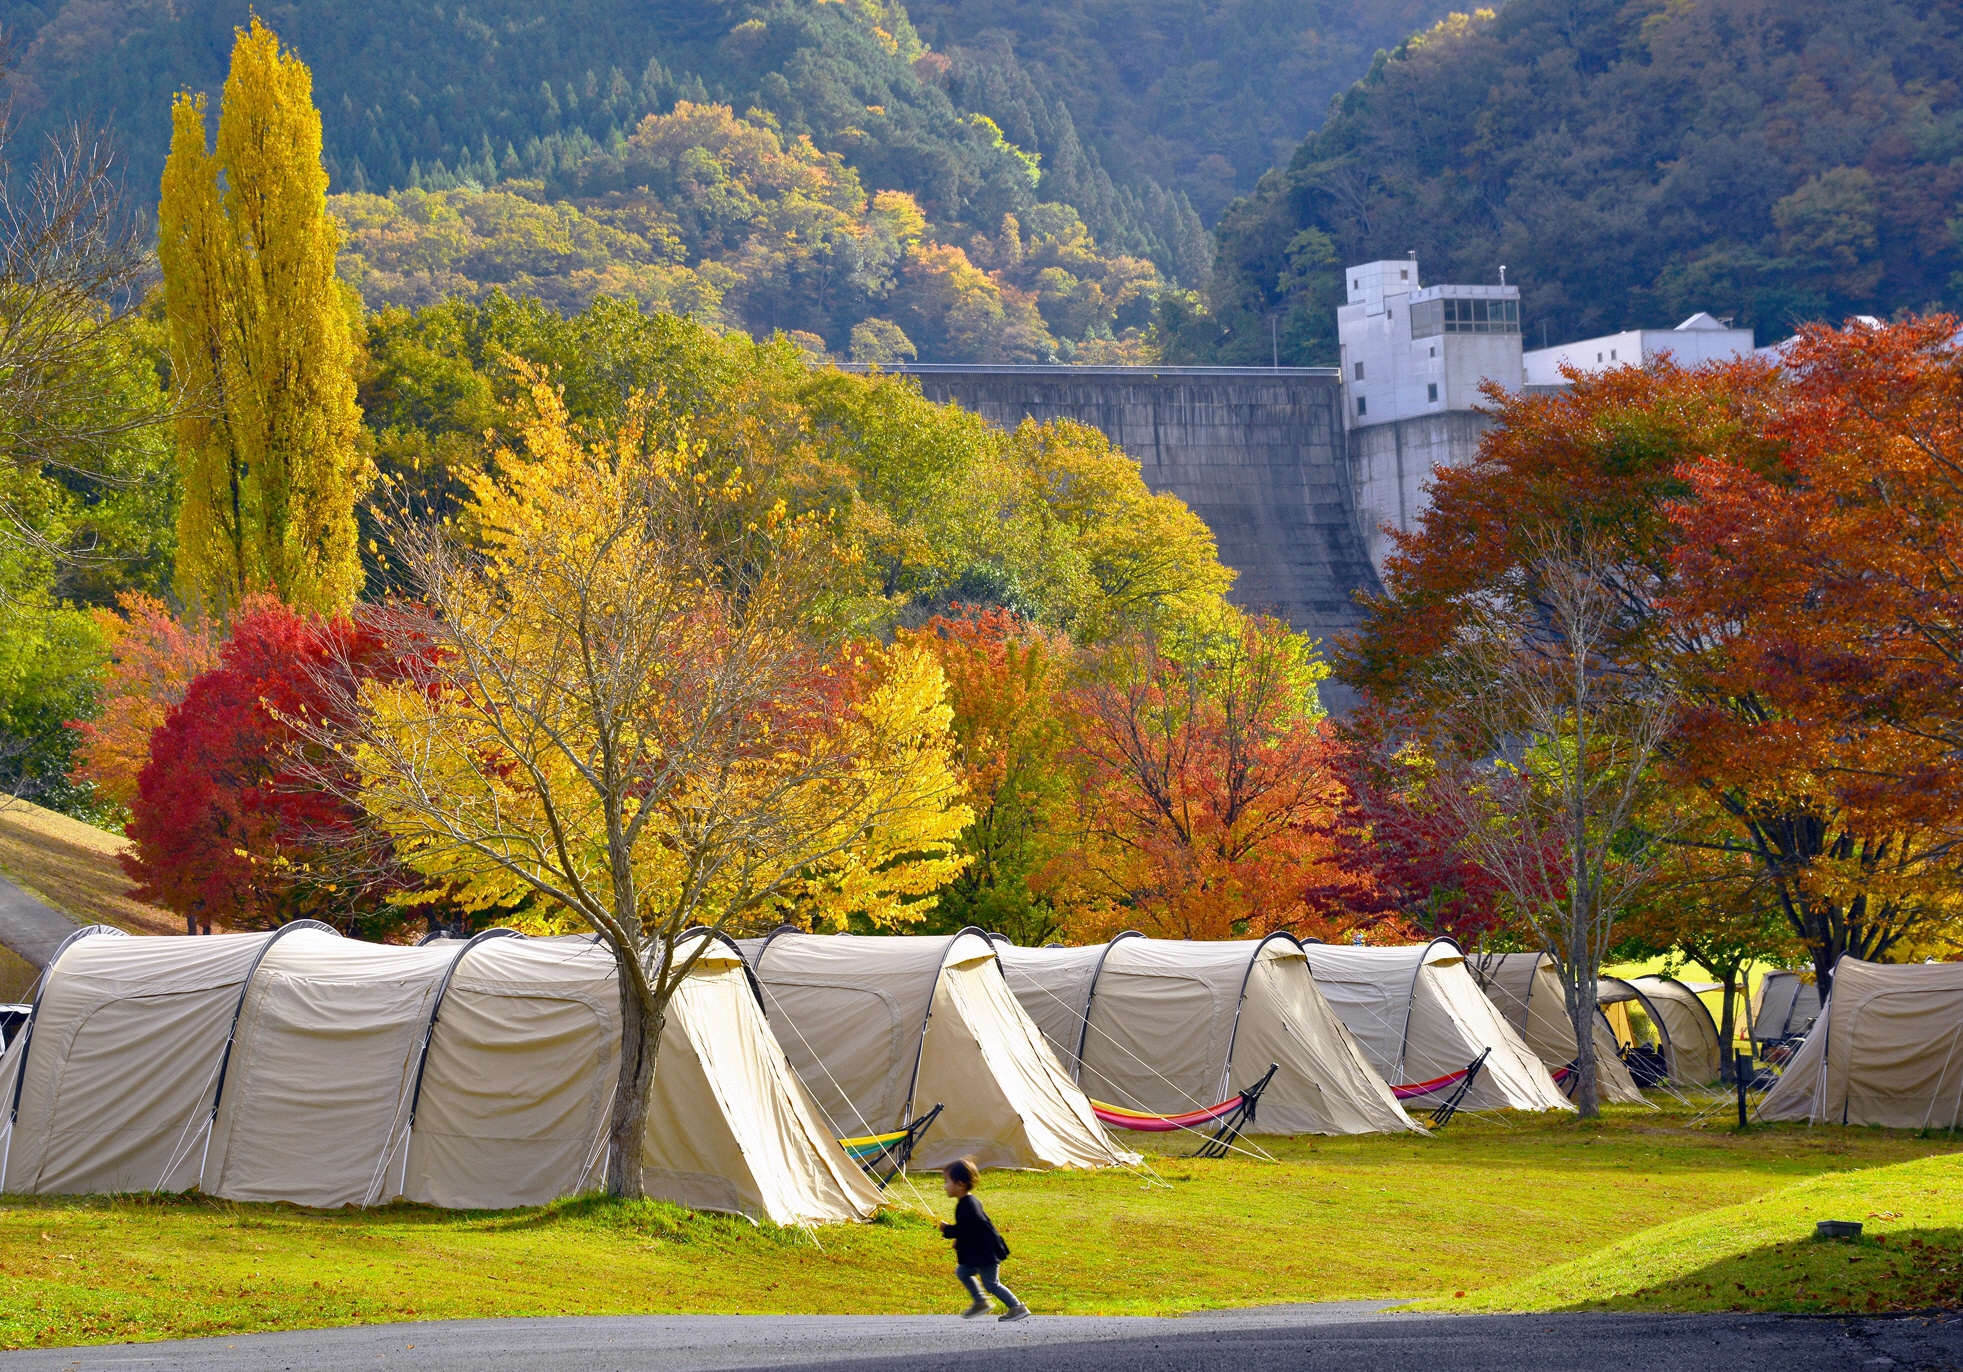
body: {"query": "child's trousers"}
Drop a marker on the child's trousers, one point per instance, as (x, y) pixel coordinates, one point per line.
(978, 1278)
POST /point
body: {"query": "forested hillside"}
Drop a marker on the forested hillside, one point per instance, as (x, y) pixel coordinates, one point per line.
(1198, 98)
(1628, 163)
(809, 166)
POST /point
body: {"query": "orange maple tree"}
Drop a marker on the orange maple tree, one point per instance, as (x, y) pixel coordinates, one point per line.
(1005, 681)
(1209, 806)
(153, 658)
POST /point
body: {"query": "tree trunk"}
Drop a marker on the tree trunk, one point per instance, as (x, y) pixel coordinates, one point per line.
(640, 1043)
(1728, 1028)
(1581, 1011)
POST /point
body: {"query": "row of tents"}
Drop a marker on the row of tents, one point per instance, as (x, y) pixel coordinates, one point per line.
(480, 1073)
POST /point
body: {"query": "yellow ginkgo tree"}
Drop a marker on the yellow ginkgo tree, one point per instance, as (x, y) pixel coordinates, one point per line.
(625, 704)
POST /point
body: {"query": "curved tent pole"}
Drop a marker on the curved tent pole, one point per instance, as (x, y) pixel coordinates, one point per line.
(920, 1044)
(422, 1053)
(1084, 1029)
(1411, 998)
(770, 938)
(756, 987)
(27, 1031)
(232, 1034)
(34, 1013)
(1227, 1068)
(436, 1009)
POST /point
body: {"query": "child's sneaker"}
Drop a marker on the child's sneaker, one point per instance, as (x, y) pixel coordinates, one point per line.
(1020, 1312)
(975, 1311)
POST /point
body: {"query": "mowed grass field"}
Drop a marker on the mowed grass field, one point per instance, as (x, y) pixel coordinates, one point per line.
(1648, 1209)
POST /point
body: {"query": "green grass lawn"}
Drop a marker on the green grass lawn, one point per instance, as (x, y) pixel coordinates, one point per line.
(1655, 1208)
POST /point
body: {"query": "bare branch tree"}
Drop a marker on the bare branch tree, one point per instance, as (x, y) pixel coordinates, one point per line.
(73, 265)
(1545, 765)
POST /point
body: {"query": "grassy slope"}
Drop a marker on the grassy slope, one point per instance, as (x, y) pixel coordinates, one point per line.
(1487, 1202)
(72, 866)
(1761, 1255)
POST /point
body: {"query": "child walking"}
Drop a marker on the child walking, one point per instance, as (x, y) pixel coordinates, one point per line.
(978, 1249)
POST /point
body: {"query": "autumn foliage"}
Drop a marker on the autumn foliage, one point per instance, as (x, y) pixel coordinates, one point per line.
(1783, 541)
(1208, 802)
(221, 831)
(153, 658)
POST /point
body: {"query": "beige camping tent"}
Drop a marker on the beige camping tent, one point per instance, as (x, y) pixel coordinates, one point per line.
(1526, 987)
(305, 1067)
(1422, 1022)
(110, 1085)
(882, 1029)
(1887, 1049)
(1170, 1026)
(1688, 1036)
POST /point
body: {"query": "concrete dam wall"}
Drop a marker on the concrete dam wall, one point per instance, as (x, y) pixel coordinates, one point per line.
(1258, 453)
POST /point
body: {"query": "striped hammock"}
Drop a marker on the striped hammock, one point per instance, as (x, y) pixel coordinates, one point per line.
(884, 1156)
(1117, 1117)
(872, 1145)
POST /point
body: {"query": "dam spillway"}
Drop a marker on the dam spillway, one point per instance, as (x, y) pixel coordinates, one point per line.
(1259, 453)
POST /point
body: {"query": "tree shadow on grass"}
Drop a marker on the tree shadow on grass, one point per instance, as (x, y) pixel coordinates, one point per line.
(1904, 1269)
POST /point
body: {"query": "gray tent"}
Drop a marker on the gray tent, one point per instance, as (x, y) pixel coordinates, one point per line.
(1692, 1050)
(882, 1029)
(1887, 1049)
(1423, 1022)
(1167, 1026)
(1784, 1007)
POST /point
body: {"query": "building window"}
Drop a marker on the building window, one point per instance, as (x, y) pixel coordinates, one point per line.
(1363, 404)
(1431, 391)
(1356, 285)
(1598, 357)
(1611, 354)
(1359, 371)
(1404, 274)
(1434, 350)
(1454, 314)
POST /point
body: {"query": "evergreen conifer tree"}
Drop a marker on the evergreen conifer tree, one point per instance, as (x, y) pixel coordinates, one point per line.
(262, 342)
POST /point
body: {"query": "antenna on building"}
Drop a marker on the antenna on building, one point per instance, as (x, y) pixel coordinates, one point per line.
(1274, 339)
(1502, 275)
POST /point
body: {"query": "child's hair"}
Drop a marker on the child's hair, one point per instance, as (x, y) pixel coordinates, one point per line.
(963, 1172)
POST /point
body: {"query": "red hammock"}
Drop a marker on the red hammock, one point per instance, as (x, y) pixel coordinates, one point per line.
(1231, 1116)
(1457, 1083)
(1120, 1118)
(1432, 1087)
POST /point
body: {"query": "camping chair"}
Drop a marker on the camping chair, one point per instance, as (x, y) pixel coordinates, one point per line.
(885, 1156)
(1232, 1115)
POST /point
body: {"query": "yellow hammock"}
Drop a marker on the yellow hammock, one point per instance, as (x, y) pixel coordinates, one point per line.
(885, 1156)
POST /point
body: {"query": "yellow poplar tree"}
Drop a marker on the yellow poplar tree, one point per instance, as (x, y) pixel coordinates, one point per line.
(262, 343)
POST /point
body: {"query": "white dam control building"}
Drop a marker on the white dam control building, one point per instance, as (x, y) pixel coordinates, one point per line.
(1413, 360)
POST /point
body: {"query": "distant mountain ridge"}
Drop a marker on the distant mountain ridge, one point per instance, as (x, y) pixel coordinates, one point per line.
(433, 93)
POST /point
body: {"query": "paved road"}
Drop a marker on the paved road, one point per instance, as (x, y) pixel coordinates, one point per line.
(30, 928)
(1284, 1339)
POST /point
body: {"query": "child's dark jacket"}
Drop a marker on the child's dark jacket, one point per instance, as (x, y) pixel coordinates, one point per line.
(976, 1244)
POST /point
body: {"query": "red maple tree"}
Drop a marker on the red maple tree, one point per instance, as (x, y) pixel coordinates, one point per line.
(224, 830)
